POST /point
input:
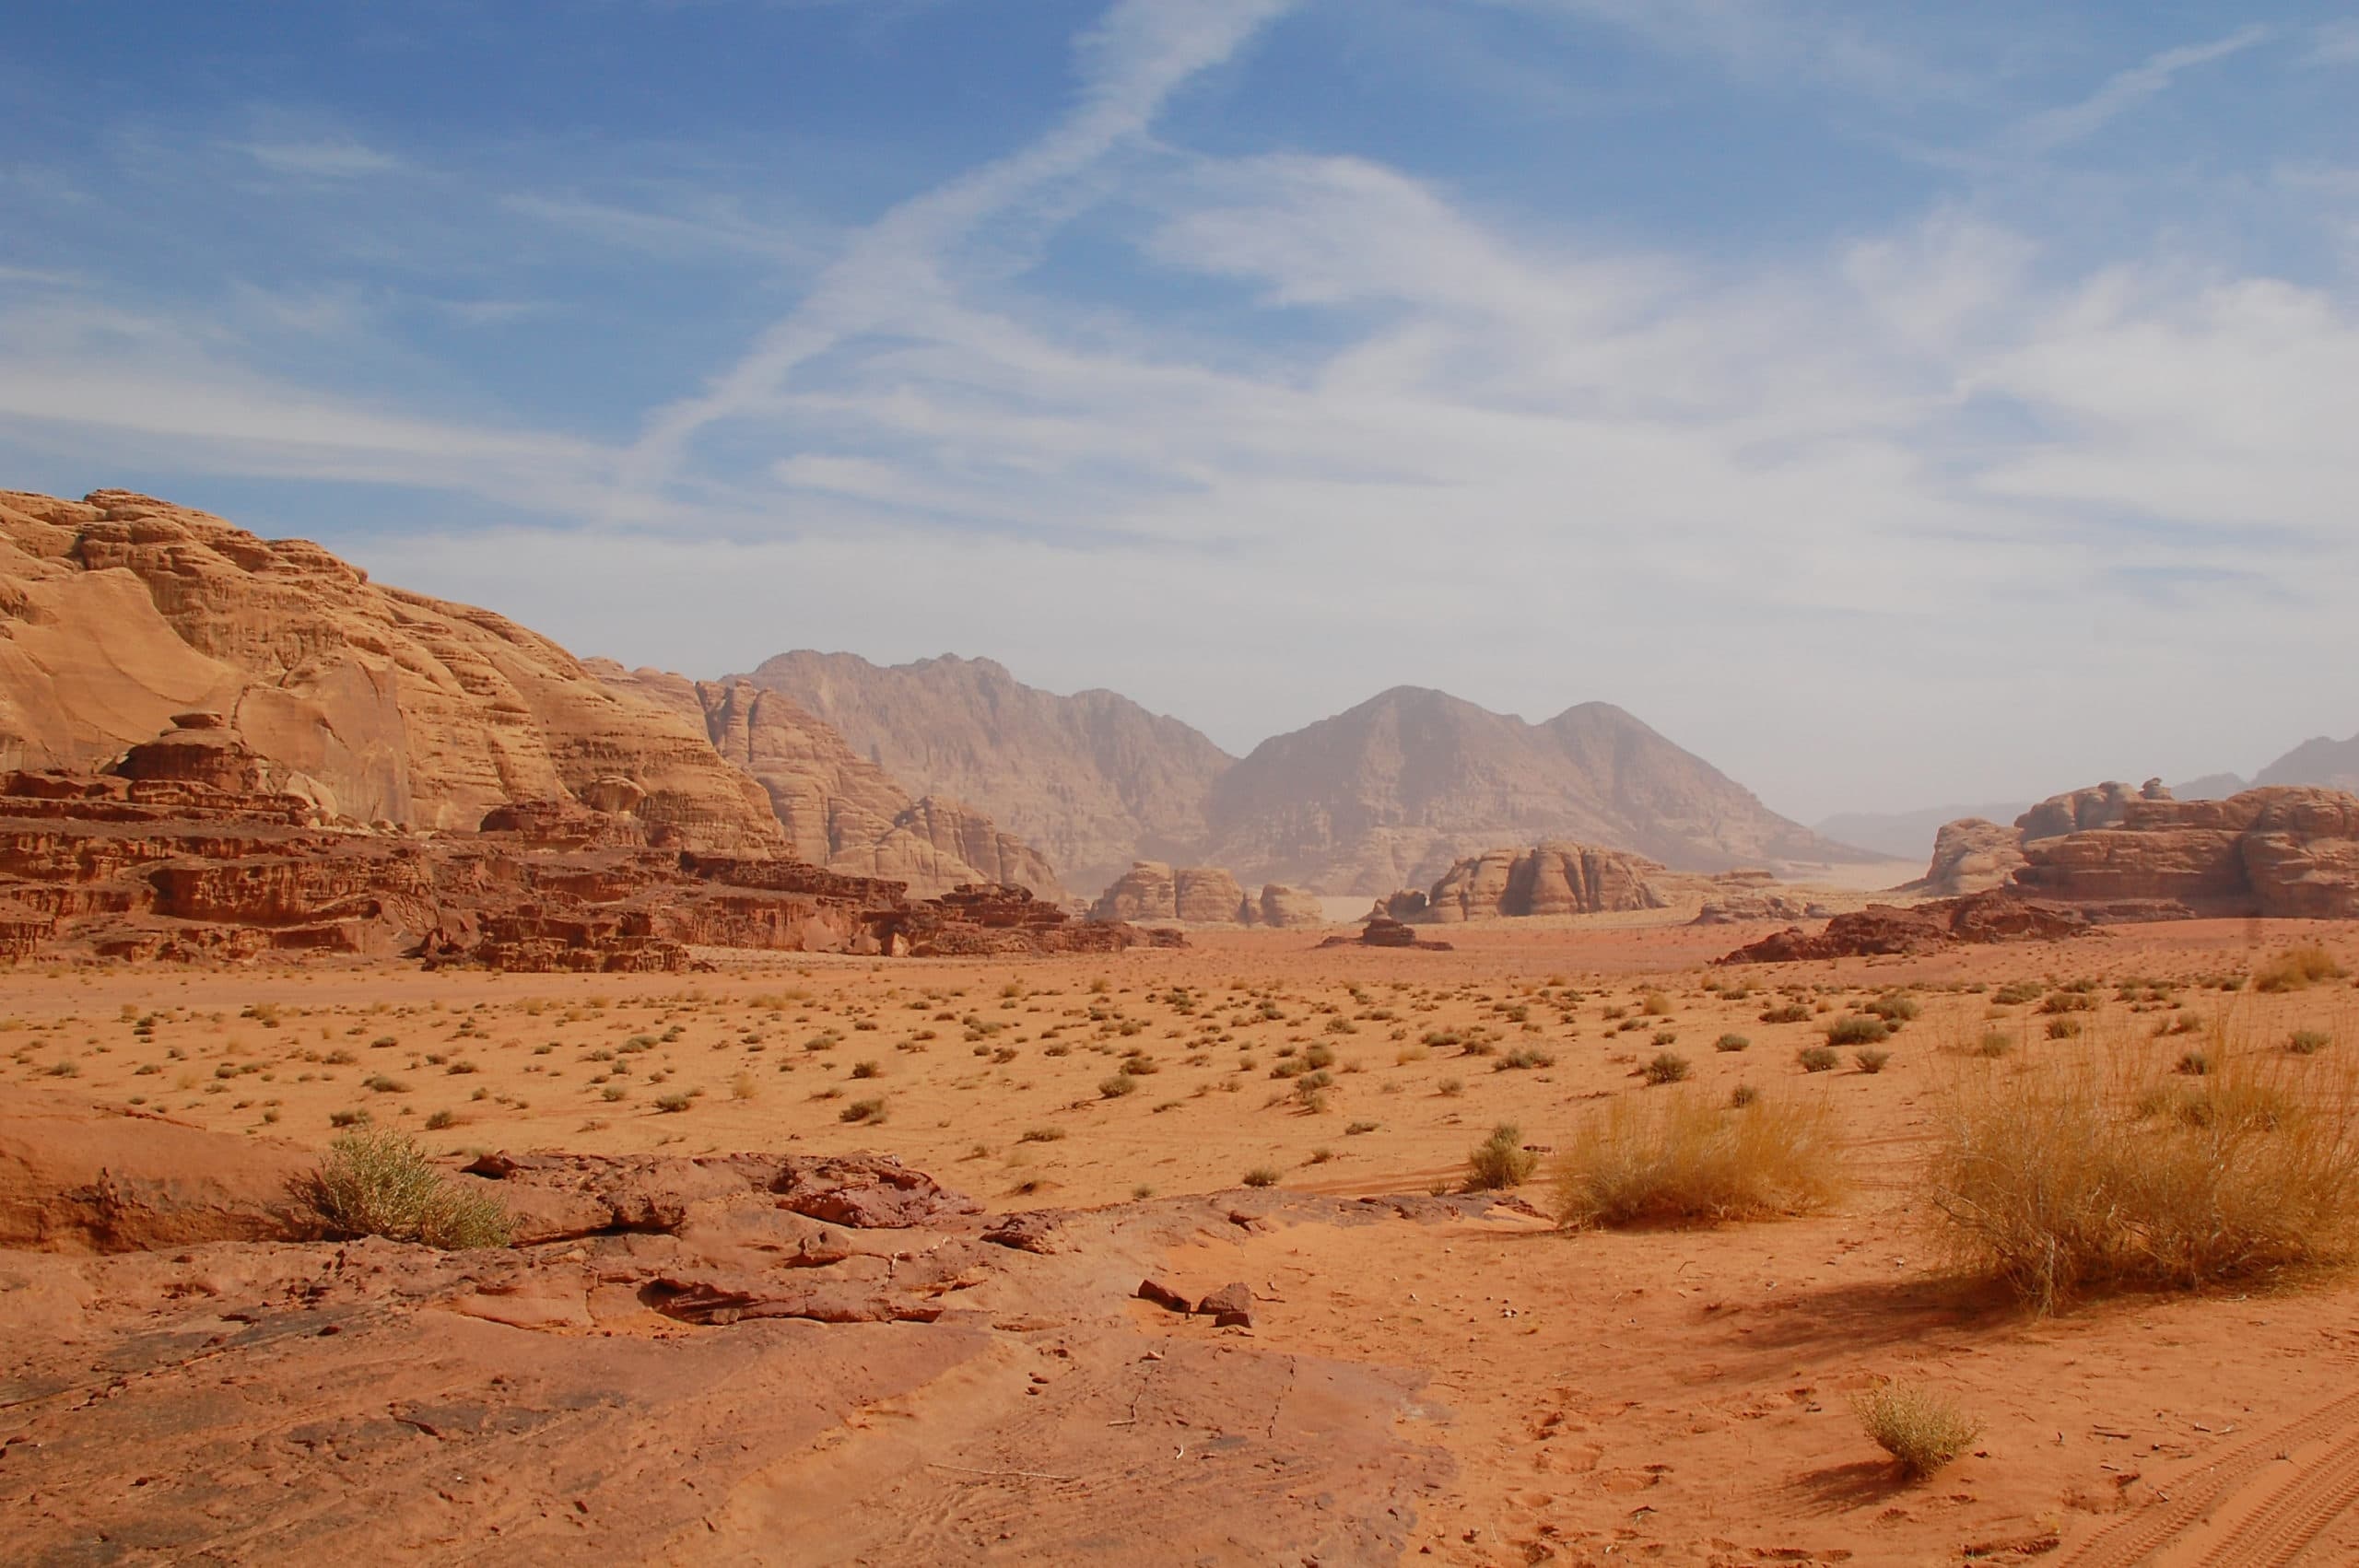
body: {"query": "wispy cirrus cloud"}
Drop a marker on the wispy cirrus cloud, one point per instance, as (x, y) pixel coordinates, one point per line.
(2126, 90)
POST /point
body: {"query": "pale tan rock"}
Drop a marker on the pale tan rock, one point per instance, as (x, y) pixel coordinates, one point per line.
(1207, 896)
(1146, 892)
(1970, 855)
(119, 610)
(1555, 878)
(1289, 909)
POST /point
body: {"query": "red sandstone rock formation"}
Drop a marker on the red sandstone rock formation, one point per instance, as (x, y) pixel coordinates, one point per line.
(2281, 851)
(168, 865)
(1555, 878)
(118, 611)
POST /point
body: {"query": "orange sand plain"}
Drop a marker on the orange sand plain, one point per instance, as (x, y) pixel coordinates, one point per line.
(1675, 1398)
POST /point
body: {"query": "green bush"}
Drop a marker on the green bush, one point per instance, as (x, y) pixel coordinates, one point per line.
(1499, 1161)
(380, 1183)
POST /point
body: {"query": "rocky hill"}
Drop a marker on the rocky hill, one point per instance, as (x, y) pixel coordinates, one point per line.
(1394, 791)
(1093, 781)
(118, 611)
(840, 810)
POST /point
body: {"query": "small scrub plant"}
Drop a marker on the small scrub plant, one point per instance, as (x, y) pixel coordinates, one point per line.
(380, 1183)
(674, 1104)
(1261, 1175)
(2194, 1064)
(1742, 1095)
(1818, 1058)
(1114, 1088)
(1731, 1042)
(1995, 1043)
(1669, 1067)
(1921, 1428)
(1786, 1012)
(1857, 1029)
(867, 1112)
(2308, 1042)
(2063, 1028)
(1870, 1060)
(1499, 1161)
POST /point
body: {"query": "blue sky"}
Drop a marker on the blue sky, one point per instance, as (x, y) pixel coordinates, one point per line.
(1896, 403)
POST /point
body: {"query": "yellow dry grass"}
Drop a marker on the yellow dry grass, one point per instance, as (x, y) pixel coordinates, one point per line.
(1679, 1159)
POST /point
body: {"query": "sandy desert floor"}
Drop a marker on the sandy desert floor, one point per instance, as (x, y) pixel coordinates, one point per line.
(1669, 1396)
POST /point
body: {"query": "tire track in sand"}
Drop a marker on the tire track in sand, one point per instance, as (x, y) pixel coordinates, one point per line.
(2294, 1512)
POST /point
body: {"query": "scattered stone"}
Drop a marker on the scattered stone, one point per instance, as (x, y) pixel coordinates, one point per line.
(1164, 1296)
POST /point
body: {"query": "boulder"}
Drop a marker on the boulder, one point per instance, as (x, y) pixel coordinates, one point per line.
(1146, 892)
(1207, 896)
(76, 1176)
(1289, 909)
(1970, 855)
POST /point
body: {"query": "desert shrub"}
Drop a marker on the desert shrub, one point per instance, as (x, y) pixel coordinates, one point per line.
(1261, 1175)
(2096, 1177)
(2063, 1028)
(1041, 1135)
(2194, 1064)
(1357, 1127)
(870, 1111)
(380, 1183)
(1731, 1043)
(1114, 1088)
(865, 1070)
(1818, 1058)
(1857, 1029)
(1870, 1059)
(1450, 1088)
(1499, 1161)
(2308, 1042)
(674, 1104)
(1919, 1427)
(442, 1119)
(1524, 1057)
(1676, 1160)
(2017, 993)
(1654, 1004)
(1742, 1095)
(2296, 968)
(1786, 1012)
(1894, 1010)
(1669, 1067)
(2068, 1001)
(1994, 1043)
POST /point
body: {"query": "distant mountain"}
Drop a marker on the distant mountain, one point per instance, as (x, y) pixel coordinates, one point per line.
(1093, 781)
(2211, 787)
(2334, 763)
(1908, 835)
(1393, 793)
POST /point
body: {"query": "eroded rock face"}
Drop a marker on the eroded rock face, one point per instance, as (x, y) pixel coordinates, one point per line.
(1970, 855)
(842, 810)
(1207, 896)
(1885, 930)
(2280, 851)
(2077, 810)
(1148, 890)
(76, 1176)
(1556, 878)
(120, 610)
(108, 866)
(1288, 908)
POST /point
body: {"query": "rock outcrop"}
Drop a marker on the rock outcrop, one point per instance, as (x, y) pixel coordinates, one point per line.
(2077, 810)
(1287, 908)
(1148, 890)
(1970, 856)
(119, 610)
(154, 861)
(2282, 851)
(838, 809)
(1885, 930)
(1555, 878)
(1207, 896)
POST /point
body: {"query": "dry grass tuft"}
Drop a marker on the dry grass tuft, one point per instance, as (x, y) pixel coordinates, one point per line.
(380, 1183)
(2296, 969)
(1921, 1428)
(2118, 1174)
(1678, 1160)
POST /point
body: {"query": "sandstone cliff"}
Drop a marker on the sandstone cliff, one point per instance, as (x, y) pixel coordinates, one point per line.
(839, 809)
(1093, 781)
(2281, 852)
(118, 611)
(1394, 791)
(2099, 806)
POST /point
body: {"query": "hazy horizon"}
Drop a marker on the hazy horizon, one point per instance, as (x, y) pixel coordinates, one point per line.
(1889, 406)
